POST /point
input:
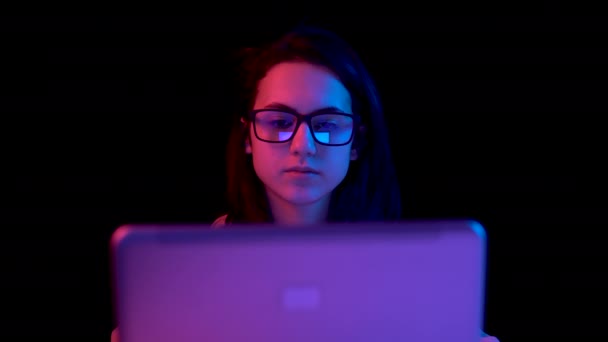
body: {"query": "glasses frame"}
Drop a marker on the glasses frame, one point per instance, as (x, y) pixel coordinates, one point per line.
(304, 118)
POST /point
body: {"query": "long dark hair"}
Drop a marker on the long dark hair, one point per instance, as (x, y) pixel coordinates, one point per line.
(370, 190)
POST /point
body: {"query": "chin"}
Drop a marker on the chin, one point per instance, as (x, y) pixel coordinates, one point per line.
(301, 196)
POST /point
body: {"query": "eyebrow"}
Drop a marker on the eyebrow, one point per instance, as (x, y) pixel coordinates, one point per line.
(282, 106)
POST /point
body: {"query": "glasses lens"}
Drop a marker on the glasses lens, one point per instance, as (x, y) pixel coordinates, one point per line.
(331, 129)
(274, 125)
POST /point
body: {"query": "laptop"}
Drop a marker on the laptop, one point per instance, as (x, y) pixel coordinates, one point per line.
(420, 281)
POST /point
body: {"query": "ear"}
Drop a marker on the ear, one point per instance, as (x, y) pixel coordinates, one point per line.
(353, 154)
(247, 146)
(247, 140)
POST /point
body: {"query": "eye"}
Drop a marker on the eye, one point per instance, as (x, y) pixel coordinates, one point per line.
(275, 120)
(332, 122)
(325, 125)
(281, 123)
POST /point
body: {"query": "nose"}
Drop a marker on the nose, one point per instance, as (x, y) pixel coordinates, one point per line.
(303, 142)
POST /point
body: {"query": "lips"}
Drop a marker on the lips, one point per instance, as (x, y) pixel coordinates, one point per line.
(302, 169)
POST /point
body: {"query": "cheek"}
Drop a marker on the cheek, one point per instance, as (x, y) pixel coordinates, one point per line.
(338, 162)
(265, 159)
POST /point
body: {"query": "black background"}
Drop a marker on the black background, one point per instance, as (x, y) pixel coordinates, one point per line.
(495, 112)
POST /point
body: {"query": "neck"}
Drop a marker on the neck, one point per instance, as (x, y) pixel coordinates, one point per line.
(286, 213)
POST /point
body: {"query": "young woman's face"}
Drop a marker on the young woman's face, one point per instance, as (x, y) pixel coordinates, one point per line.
(305, 88)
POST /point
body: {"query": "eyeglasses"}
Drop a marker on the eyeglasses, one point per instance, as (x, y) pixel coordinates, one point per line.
(279, 125)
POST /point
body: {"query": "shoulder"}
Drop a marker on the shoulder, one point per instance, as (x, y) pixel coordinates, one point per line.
(219, 222)
(487, 338)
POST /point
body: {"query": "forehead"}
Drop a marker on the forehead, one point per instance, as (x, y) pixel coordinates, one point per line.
(303, 86)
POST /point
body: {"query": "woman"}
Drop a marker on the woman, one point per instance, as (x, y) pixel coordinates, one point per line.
(338, 166)
(312, 144)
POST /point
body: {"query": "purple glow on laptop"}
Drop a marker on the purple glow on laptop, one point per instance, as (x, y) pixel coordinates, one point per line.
(231, 286)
